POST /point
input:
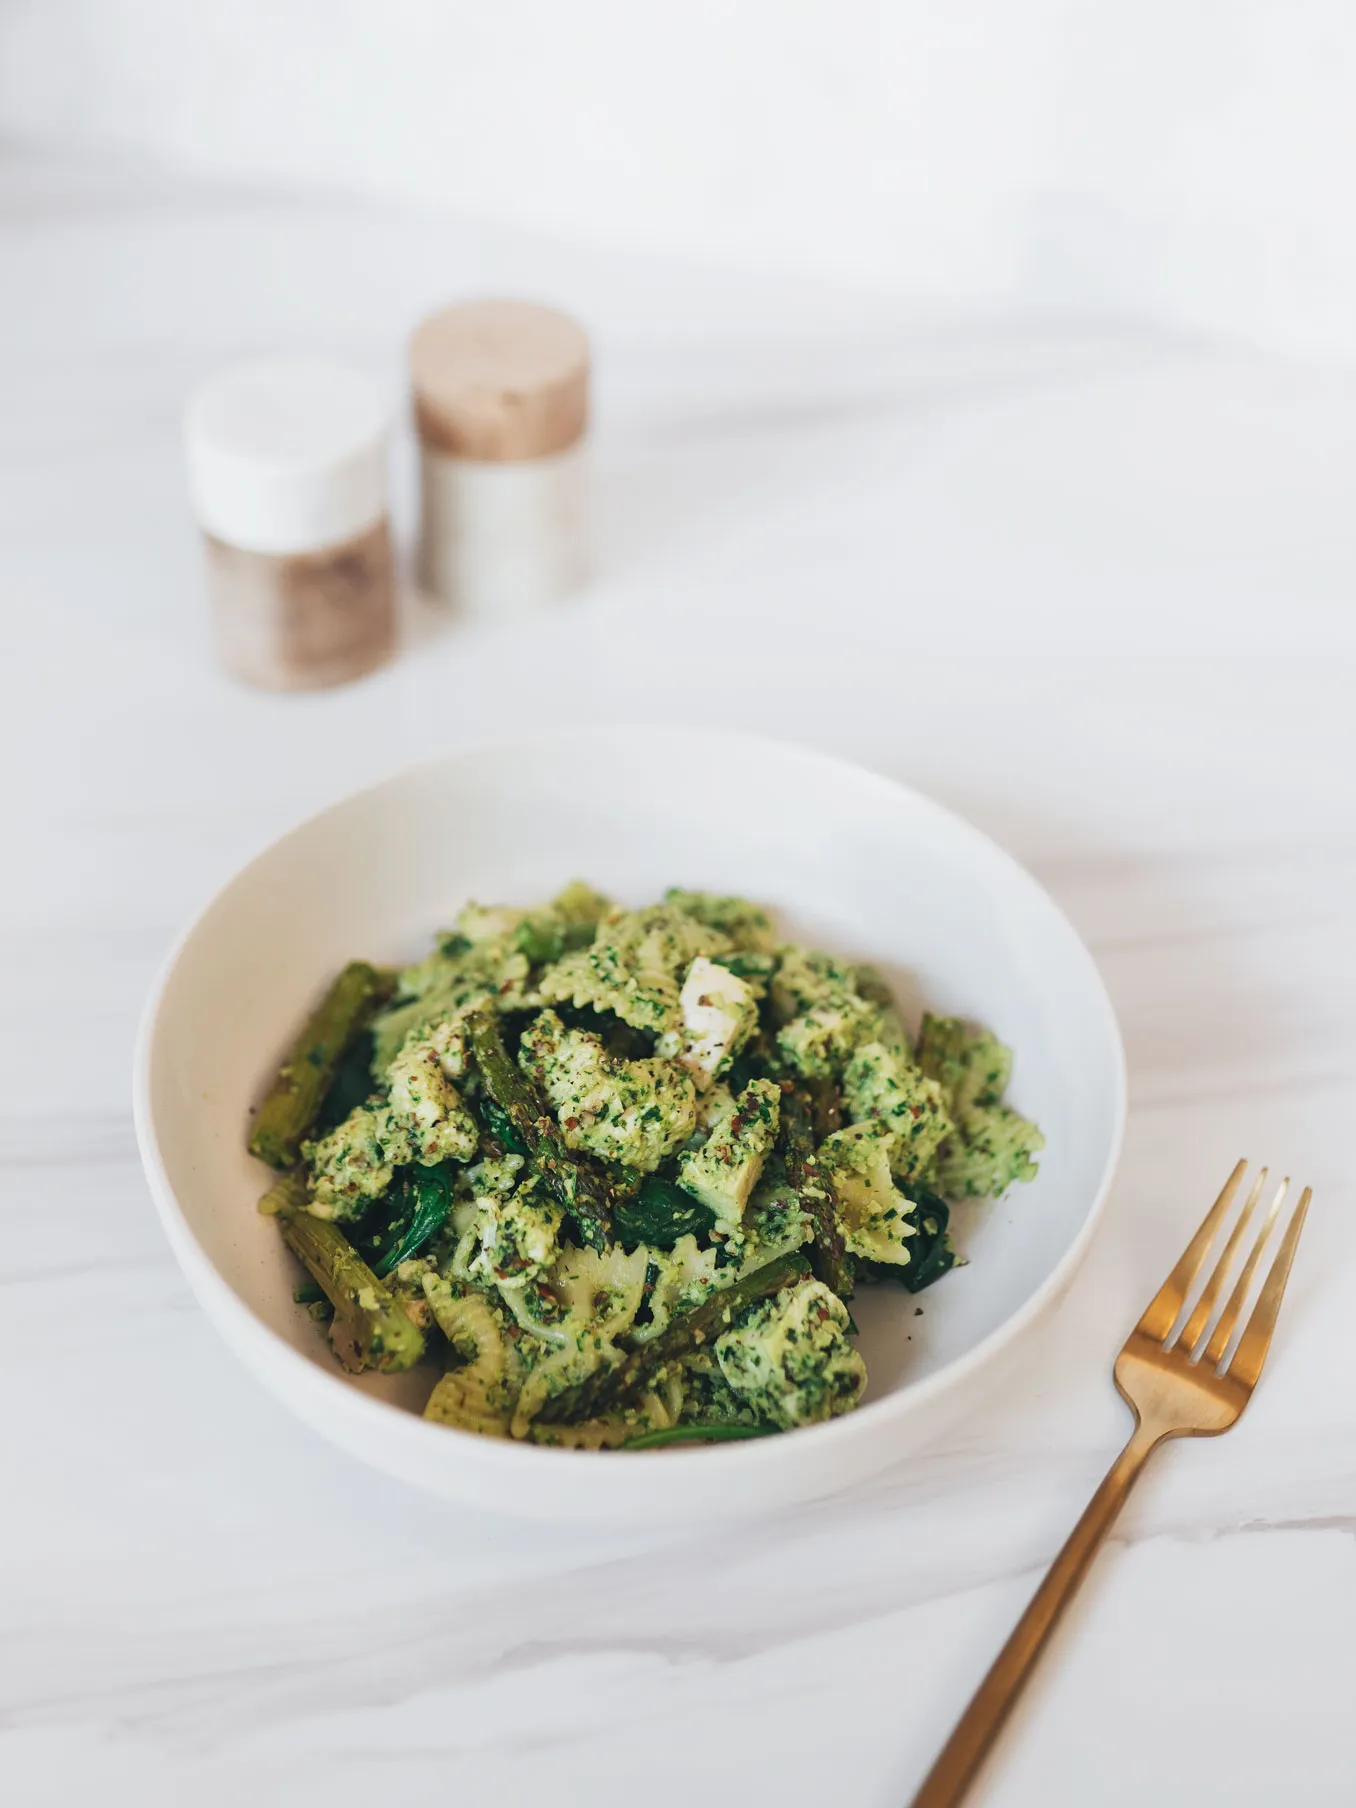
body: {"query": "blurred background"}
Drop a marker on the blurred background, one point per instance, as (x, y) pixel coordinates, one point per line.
(1188, 163)
(1033, 321)
(926, 338)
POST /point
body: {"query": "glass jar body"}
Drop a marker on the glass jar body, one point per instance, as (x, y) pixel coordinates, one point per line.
(503, 539)
(304, 620)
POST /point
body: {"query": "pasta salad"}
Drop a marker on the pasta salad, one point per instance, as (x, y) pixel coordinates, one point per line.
(614, 1175)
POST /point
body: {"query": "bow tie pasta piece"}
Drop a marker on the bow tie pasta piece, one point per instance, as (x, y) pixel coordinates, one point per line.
(874, 1216)
(425, 1103)
(634, 966)
(477, 1393)
(823, 1016)
(635, 1113)
(992, 1146)
(748, 926)
(600, 1294)
(790, 1358)
(355, 1162)
(881, 1084)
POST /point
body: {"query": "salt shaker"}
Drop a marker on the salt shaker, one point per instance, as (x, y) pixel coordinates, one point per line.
(287, 464)
(501, 405)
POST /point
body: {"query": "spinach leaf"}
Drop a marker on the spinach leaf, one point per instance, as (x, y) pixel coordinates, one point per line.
(659, 1214)
(408, 1215)
(744, 1068)
(620, 1040)
(930, 1251)
(351, 1085)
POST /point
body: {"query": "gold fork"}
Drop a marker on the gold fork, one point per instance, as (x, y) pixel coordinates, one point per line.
(1182, 1386)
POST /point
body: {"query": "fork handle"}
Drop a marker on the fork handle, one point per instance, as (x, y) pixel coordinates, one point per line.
(958, 1764)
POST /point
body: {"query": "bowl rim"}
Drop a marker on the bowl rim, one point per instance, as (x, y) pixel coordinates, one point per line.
(215, 1294)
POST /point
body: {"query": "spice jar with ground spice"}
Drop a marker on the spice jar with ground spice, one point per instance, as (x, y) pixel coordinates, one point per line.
(287, 464)
(501, 396)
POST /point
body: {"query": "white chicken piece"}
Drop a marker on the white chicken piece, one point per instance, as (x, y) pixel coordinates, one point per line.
(719, 1013)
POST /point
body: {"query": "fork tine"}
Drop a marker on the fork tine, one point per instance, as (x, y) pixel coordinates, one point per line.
(1228, 1319)
(1194, 1329)
(1167, 1302)
(1256, 1340)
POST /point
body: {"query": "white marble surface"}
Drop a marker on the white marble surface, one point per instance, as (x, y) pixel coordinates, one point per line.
(1098, 590)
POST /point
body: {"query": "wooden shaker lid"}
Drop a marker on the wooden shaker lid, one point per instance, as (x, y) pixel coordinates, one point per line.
(500, 381)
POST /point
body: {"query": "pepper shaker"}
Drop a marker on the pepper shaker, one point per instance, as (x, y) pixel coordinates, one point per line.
(287, 465)
(501, 405)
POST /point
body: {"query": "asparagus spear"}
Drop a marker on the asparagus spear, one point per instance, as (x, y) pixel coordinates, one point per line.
(619, 1386)
(293, 1101)
(826, 1108)
(582, 1191)
(828, 1254)
(500, 1127)
(288, 1193)
(370, 1329)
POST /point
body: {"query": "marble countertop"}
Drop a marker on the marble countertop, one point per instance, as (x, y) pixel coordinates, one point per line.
(1089, 584)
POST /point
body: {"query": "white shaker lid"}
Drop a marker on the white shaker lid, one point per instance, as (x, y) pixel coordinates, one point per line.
(287, 455)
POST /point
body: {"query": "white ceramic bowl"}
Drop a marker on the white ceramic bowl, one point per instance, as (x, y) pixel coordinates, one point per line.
(850, 860)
